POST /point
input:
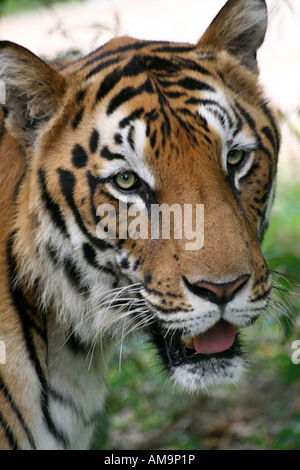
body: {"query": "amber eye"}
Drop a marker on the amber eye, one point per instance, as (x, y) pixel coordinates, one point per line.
(236, 157)
(126, 181)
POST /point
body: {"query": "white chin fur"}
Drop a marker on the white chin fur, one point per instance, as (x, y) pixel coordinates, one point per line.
(208, 376)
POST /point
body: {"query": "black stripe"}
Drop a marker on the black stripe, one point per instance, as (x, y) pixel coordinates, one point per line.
(147, 194)
(174, 94)
(185, 125)
(124, 95)
(107, 84)
(93, 182)
(152, 115)
(77, 345)
(153, 139)
(118, 138)
(91, 258)
(74, 276)
(163, 103)
(127, 94)
(134, 67)
(264, 197)
(23, 308)
(103, 65)
(78, 118)
(52, 208)
(199, 119)
(67, 184)
(214, 104)
(256, 210)
(190, 83)
(160, 64)
(8, 433)
(128, 47)
(190, 64)
(106, 153)
(10, 399)
(202, 119)
(252, 125)
(136, 264)
(2, 125)
(130, 137)
(68, 402)
(94, 141)
(80, 95)
(79, 156)
(164, 66)
(125, 263)
(274, 126)
(174, 48)
(249, 119)
(89, 254)
(53, 253)
(132, 117)
(239, 124)
(267, 132)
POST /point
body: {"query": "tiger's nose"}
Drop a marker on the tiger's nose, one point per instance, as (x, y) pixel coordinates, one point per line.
(220, 293)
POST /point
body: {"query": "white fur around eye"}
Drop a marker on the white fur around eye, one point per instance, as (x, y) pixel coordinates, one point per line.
(240, 173)
(134, 156)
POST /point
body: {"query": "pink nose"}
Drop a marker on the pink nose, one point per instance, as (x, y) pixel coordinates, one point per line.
(218, 293)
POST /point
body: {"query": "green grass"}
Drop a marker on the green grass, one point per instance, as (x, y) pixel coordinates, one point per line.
(282, 251)
(282, 242)
(8, 7)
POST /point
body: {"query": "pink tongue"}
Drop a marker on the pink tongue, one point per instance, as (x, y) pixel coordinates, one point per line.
(219, 338)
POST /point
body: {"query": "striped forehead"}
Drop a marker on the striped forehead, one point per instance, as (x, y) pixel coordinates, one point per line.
(123, 144)
(169, 89)
(219, 110)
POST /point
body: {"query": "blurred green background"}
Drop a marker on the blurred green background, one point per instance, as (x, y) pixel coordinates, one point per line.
(16, 6)
(144, 411)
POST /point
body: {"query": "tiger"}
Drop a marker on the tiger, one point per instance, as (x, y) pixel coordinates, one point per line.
(140, 123)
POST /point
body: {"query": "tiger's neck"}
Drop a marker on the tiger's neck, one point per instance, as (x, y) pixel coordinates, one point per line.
(71, 377)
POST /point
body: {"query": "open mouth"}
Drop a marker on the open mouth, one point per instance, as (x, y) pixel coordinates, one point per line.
(219, 342)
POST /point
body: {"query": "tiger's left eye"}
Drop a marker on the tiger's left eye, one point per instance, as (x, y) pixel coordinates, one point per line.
(126, 181)
(236, 157)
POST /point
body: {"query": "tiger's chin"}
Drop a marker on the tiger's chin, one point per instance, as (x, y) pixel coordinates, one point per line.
(210, 374)
(194, 372)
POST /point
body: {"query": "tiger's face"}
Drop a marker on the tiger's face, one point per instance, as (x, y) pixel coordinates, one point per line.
(151, 124)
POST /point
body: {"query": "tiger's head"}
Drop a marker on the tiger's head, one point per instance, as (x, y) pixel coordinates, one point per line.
(149, 124)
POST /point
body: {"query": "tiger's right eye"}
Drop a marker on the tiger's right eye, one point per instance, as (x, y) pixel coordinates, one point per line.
(236, 157)
(126, 181)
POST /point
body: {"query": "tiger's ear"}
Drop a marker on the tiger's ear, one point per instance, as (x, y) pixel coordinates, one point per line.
(239, 28)
(33, 91)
